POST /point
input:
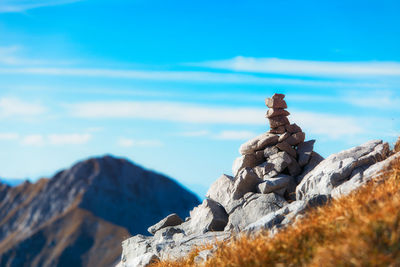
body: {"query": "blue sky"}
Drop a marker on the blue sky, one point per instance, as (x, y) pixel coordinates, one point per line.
(177, 86)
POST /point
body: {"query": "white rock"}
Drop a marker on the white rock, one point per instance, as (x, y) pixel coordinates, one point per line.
(208, 216)
(337, 168)
(253, 209)
(245, 182)
(222, 190)
(274, 184)
(170, 220)
(248, 160)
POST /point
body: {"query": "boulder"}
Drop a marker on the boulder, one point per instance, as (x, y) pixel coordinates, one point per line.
(258, 143)
(170, 220)
(280, 160)
(253, 209)
(294, 168)
(221, 190)
(245, 182)
(284, 146)
(208, 216)
(247, 160)
(134, 248)
(278, 121)
(338, 168)
(293, 128)
(273, 184)
(296, 138)
(304, 151)
(274, 112)
(275, 103)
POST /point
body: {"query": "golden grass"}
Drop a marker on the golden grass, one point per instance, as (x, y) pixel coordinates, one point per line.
(361, 229)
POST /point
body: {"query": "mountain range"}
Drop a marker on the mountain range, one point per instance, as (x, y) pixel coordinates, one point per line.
(80, 216)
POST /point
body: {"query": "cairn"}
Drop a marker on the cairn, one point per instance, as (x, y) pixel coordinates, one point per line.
(279, 156)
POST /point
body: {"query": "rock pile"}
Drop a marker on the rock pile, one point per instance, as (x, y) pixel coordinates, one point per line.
(272, 170)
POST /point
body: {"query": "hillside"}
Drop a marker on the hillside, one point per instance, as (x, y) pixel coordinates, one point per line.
(360, 229)
(80, 216)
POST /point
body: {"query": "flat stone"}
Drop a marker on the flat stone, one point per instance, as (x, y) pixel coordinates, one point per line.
(278, 121)
(270, 150)
(283, 137)
(284, 146)
(170, 220)
(258, 143)
(245, 182)
(274, 112)
(280, 161)
(273, 184)
(247, 160)
(275, 103)
(278, 96)
(208, 216)
(279, 130)
(337, 168)
(304, 151)
(293, 128)
(222, 190)
(296, 138)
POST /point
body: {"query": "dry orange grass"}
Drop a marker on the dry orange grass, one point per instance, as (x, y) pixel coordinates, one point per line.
(361, 229)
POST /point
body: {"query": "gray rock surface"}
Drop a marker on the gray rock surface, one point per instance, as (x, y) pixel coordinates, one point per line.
(258, 143)
(315, 159)
(337, 168)
(208, 216)
(284, 146)
(246, 182)
(304, 151)
(296, 138)
(253, 209)
(273, 184)
(222, 190)
(280, 161)
(247, 160)
(171, 220)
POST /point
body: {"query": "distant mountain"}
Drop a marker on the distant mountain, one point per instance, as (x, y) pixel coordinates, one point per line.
(12, 182)
(80, 216)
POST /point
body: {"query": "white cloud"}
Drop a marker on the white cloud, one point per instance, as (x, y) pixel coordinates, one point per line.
(183, 76)
(127, 142)
(33, 140)
(329, 125)
(169, 111)
(69, 139)
(16, 107)
(235, 135)
(305, 67)
(55, 139)
(9, 136)
(11, 6)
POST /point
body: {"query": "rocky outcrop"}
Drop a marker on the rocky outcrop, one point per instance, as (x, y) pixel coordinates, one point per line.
(275, 180)
(80, 216)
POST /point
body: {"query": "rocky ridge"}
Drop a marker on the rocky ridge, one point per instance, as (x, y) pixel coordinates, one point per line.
(275, 180)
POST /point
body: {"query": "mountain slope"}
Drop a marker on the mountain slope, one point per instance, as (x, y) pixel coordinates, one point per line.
(80, 216)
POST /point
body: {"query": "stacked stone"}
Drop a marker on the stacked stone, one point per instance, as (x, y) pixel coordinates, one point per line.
(279, 156)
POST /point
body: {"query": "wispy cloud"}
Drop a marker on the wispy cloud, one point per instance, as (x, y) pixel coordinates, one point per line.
(184, 76)
(55, 139)
(195, 133)
(17, 107)
(305, 67)
(330, 125)
(9, 136)
(128, 142)
(69, 139)
(12, 6)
